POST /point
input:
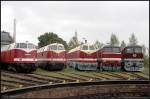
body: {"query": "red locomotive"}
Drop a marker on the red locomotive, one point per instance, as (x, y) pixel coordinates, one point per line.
(83, 57)
(132, 58)
(109, 58)
(19, 57)
(52, 57)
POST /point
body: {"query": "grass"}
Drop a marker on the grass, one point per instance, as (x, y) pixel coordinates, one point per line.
(146, 70)
(49, 73)
(69, 70)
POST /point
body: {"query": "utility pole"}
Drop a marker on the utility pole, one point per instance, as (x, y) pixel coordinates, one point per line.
(14, 33)
(76, 36)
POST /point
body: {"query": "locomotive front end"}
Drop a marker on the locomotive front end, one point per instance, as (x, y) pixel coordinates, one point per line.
(133, 58)
(109, 58)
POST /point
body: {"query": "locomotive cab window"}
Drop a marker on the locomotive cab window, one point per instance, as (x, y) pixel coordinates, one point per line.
(138, 50)
(31, 46)
(116, 50)
(91, 47)
(84, 47)
(129, 50)
(60, 47)
(107, 49)
(21, 45)
(53, 47)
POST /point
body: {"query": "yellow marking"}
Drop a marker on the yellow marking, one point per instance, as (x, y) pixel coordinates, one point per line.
(77, 81)
(75, 49)
(50, 83)
(20, 86)
(88, 51)
(58, 51)
(4, 88)
(91, 79)
(85, 51)
(64, 81)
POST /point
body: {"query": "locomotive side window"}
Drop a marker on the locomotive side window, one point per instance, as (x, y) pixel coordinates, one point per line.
(107, 49)
(60, 47)
(116, 50)
(129, 50)
(22, 45)
(85, 47)
(91, 47)
(17, 45)
(138, 50)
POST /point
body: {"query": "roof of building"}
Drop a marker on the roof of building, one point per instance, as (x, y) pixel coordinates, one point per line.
(5, 37)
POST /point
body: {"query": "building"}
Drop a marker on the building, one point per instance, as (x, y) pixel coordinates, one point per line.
(6, 38)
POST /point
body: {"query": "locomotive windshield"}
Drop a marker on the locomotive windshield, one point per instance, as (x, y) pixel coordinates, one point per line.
(138, 50)
(60, 48)
(53, 47)
(25, 45)
(91, 47)
(116, 50)
(133, 50)
(112, 49)
(85, 47)
(31, 46)
(21, 45)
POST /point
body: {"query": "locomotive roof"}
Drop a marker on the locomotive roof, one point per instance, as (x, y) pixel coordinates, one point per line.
(56, 44)
(6, 38)
(111, 46)
(133, 46)
(78, 47)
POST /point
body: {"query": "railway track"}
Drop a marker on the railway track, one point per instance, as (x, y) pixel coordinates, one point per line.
(11, 80)
(84, 90)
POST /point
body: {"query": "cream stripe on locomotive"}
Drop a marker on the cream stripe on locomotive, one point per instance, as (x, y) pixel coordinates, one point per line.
(51, 59)
(133, 59)
(25, 59)
(112, 59)
(83, 59)
(88, 52)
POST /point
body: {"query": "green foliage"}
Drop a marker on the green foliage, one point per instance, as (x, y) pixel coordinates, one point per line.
(98, 45)
(73, 43)
(146, 56)
(133, 40)
(123, 44)
(114, 40)
(146, 60)
(50, 37)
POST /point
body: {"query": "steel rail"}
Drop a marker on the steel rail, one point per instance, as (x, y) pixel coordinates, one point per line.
(72, 84)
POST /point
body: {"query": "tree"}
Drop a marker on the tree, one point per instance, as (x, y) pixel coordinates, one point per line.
(133, 40)
(114, 40)
(73, 43)
(144, 49)
(50, 37)
(123, 44)
(98, 45)
(146, 57)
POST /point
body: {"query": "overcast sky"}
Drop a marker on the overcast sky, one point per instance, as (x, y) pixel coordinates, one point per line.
(93, 20)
